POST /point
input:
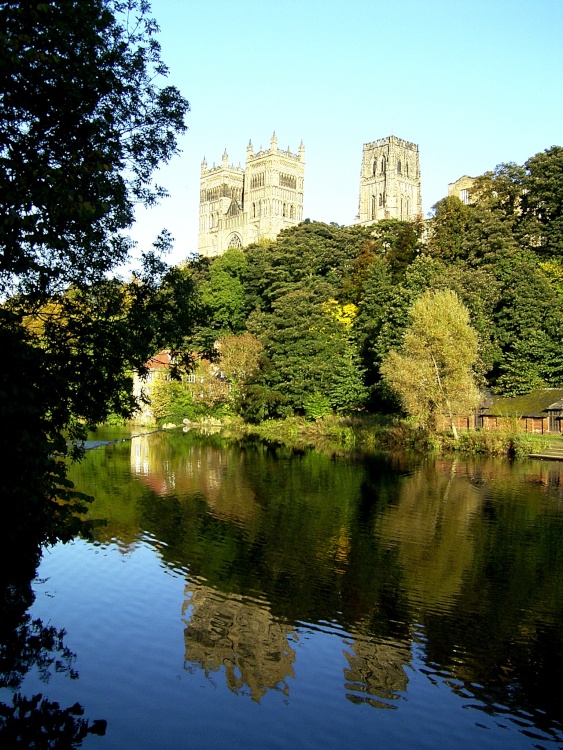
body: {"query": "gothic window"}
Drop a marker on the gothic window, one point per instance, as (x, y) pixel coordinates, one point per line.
(292, 212)
(289, 181)
(373, 206)
(234, 241)
(234, 209)
(399, 169)
(407, 168)
(374, 167)
(257, 180)
(383, 165)
(254, 210)
(380, 199)
(464, 196)
(284, 210)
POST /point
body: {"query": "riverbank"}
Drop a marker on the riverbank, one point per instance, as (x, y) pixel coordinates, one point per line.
(374, 433)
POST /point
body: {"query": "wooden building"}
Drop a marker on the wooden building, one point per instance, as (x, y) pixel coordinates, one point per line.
(540, 411)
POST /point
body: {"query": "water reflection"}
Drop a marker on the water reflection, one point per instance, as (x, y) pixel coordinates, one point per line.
(465, 553)
(376, 671)
(28, 645)
(205, 469)
(431, 527)
(240, 637)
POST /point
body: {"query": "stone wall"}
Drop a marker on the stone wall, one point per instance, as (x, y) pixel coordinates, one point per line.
(462, 188)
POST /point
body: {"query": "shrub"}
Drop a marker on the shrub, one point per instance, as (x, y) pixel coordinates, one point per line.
(316, 406)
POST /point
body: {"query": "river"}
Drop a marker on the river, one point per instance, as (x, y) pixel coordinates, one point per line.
(255, 596)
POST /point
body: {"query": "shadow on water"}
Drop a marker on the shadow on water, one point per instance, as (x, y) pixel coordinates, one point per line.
(26, 645)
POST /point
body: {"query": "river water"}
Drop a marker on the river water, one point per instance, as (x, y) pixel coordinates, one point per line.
(254, 596)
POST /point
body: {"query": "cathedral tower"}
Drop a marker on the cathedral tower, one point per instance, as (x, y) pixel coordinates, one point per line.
(220, 207)
(240, 206)
(389, 181)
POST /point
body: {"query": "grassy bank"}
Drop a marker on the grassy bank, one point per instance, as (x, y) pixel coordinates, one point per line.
(371, 433)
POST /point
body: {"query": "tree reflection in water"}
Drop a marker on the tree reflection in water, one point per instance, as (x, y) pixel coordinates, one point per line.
(452, 569)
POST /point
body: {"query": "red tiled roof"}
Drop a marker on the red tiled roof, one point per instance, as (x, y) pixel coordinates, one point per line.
(159, 361)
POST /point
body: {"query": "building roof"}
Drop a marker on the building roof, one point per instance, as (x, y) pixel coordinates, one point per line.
(160, 361)
(533, 404)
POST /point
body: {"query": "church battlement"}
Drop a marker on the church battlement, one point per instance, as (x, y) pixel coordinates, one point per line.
(217, 170)
(225, 166)
(391, 140)
(262, 153)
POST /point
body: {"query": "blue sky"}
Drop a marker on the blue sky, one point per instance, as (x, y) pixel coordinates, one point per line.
(474, 84)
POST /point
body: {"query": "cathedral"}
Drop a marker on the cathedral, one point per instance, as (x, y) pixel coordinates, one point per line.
(239, 206)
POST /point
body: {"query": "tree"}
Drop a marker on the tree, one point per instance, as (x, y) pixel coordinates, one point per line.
(542, 202)
(448, 228)
(84, 125)
(311, 256)
(501, 191)
(527, 199)
(222, 295)
(309, 352)
(240, 356)
(472, 234)
(239, 361)
(528, 326)
(432, 372)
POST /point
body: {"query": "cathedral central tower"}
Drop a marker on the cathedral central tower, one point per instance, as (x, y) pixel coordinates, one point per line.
(389, 181)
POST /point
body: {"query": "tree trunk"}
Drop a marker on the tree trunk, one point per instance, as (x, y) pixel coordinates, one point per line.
(452, 423)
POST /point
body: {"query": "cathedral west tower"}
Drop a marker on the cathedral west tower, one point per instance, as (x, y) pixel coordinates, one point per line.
(240, 206)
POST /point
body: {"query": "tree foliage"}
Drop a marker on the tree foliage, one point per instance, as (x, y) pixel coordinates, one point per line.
(239, 356)
(84, 125)
(509, 238)
(315, 256)
(542, 202)
(222, 294)
(432, 372)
